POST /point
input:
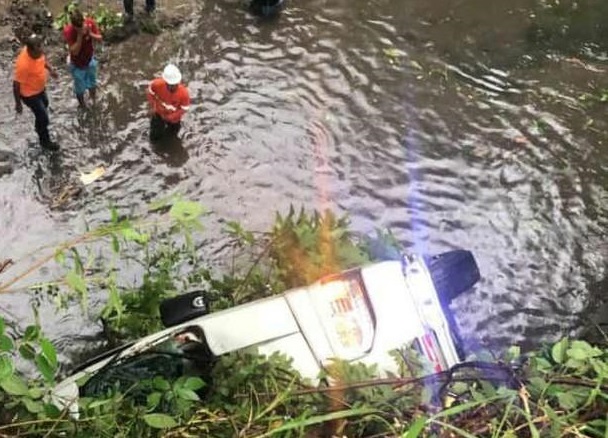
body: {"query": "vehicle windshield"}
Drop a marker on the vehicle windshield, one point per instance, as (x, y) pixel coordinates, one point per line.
(185, 354)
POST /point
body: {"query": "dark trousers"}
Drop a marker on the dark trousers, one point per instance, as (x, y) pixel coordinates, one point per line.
(39, 104)
(160, 128)
(128, 5)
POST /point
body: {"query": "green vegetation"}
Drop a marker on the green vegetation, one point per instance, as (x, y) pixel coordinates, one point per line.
(559, 390)
(104, 17)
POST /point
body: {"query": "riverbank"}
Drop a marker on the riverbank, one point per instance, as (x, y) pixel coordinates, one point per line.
(20, 18)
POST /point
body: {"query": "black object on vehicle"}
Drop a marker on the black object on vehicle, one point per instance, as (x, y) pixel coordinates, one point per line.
(174, 311)
(453, 272)
(265, 8)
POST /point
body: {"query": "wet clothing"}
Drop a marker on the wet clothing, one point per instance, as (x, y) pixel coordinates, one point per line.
(84, 78)
(169, 106)
(160, 129)
(39, 104)
(30, 73)
(87, 50)
(83, 66)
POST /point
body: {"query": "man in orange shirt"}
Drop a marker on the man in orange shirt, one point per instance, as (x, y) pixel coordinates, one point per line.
(169, 100)
(29, 87)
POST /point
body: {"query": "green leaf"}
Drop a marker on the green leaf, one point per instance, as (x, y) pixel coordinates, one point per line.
(31, 333)
(558, 352)
(113, 215)
(186, 211)
(460, 387)
(14, 385)
(416, 427)
(567, 401)
(52, 411)
(160, 384)
(581, 350)
(6, 343)
(115, 245)
(78, 267)
(542, 364)
(45, 368)
(159, 421)
(600, 367)
(187, 394)
(514, 352)
(134, 236)
(60, 257)
(154, 399)
(194, 383)
(35, 393)
(538, 384)
(49, 351)
(6, 367)
(27, 351)
(76, 282)
(578, 365)
(576, 354)
(1, 325)
(32, 406)
(98, 403)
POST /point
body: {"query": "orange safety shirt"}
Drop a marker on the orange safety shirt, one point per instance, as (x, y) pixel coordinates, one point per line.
(158, 93)
(30, 73)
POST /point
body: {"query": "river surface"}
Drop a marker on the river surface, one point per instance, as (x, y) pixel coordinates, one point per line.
(444, 120)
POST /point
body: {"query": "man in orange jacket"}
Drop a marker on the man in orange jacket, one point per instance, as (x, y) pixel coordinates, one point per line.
(169, 100)
(29, 87)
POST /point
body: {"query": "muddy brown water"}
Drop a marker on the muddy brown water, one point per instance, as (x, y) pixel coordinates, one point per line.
(447, 121)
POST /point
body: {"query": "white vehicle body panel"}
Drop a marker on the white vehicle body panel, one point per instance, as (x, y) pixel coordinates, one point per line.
(333, 318)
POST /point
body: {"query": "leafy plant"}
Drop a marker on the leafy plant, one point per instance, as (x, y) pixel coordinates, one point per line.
(559, 390)
(104, 17)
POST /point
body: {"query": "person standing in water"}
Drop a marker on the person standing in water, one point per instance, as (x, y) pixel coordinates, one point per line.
(29, 87)
(80, 35)
(169, 100)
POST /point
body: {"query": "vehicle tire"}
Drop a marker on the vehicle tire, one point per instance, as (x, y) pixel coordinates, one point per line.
(174, 311)
(453, 273)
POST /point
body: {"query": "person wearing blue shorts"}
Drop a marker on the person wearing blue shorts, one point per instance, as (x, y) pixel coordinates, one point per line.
(84, 79)
(79, 35)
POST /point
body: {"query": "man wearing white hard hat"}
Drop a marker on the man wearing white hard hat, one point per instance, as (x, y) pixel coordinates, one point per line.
(169, 100)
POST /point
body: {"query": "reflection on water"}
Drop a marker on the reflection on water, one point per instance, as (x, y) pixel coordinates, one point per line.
(447, 124)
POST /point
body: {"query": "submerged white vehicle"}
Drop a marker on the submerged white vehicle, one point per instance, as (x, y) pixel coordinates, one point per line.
(360, 315)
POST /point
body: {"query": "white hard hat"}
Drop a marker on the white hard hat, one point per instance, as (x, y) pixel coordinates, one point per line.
(172, 75)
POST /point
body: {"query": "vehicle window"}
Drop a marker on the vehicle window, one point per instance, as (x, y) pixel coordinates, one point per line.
(124, 376)
(170, 360)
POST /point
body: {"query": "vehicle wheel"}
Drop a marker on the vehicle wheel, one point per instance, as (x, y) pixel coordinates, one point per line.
(174, 311)
(453, 273)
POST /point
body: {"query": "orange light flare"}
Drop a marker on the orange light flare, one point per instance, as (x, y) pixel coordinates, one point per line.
(321, 140)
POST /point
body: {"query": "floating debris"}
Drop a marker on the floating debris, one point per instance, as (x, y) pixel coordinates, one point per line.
(88, 178)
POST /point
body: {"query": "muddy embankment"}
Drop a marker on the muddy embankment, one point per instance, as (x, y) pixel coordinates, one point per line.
(19, 18)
